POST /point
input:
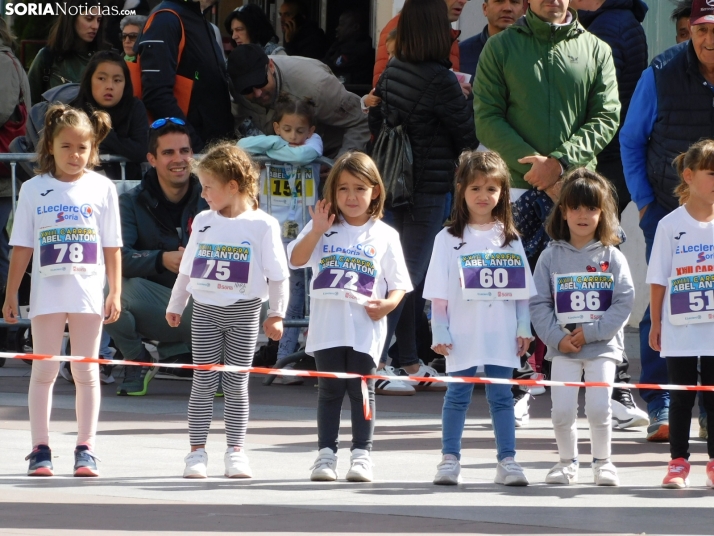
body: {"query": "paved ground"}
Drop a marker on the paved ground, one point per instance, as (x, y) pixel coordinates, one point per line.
(142, 442)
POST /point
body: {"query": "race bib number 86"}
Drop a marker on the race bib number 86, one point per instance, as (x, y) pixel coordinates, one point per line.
(582, 297)
(68, 251)
(691, 299)
(493, 276)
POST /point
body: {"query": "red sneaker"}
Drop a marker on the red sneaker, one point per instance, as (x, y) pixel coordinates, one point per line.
(677, 474)
(710, 474)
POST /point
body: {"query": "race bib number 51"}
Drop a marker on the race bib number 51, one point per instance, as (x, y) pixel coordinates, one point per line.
(343, 277)
(493, 276)
(221, 268)
(582, 297)
(691, 299)
(68, 251)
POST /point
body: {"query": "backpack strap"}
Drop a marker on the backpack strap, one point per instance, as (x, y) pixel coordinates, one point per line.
(182, 43)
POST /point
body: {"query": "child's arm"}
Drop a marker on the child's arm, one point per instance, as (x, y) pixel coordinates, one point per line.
(623, 300)
(657, 293)
(278, 293)
(441, 341)
(322, 220)
(112, 303)
(179, 299)
(259, 145)
(19, 259)
(297, 154)
(523, 331)
(378, 309)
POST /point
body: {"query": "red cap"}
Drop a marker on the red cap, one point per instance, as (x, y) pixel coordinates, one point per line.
(702, 12)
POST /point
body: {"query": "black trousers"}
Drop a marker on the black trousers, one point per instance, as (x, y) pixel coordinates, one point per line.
(331, 393)
(683, 371)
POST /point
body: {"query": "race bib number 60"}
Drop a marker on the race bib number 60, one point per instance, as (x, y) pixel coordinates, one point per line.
(68, 251)
(582, 297)
(344, 277)
(221, 268)
(691, 299)
(493, 276)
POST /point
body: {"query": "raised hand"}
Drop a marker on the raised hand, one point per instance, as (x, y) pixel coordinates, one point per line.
(322, 220)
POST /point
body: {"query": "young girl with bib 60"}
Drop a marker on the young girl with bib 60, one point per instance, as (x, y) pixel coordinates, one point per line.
(234, 261)
(585, 296)
(67, 220)
(681, 278)
(479, 283)
(359, 275)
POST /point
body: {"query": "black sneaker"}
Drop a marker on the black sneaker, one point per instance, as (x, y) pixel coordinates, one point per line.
(136, 379)
(40, 461)
(85, 462)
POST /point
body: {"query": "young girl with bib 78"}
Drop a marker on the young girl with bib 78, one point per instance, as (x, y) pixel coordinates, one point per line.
(234, 261)
(681, 279)
(359, 275)
(585, 296)
(67, 221)
(479, 283)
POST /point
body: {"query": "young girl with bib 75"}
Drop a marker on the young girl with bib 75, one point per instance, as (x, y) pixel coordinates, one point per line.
(234, 261)
(479, 283)
(67, 221)
(585, 296)
(359, 275)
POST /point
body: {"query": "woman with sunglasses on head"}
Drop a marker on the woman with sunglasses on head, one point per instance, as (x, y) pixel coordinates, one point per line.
(130, 28)
(72, 41)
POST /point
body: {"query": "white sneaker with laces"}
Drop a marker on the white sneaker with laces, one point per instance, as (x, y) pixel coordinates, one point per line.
(521, 407)
(289, 380)
(196, 464)
(448, 472)
(395, 387)
(625, 413)
(510, 473)
(237, 465)
(424, 372)
(325, 467)
(605, 474)
(563, 473)
(360, 467)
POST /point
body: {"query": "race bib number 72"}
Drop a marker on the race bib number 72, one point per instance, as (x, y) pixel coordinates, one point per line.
(582, 297)
(691, 299)
(344, 277)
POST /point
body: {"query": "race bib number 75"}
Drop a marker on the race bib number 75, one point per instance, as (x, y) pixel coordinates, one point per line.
(691, 299)
(582, 297)
(221, 268)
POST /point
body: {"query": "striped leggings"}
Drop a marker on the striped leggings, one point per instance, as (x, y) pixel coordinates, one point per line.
(229, 333)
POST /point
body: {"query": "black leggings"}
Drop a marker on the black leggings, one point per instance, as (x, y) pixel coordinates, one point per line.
(332, 392)
(683, 371)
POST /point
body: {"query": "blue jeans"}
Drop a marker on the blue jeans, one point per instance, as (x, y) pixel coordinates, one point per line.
(417, 229)
(500, 405)
(5, 211)
(296, 310)
(654, 368)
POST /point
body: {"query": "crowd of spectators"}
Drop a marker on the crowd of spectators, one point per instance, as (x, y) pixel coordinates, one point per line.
(548, 85)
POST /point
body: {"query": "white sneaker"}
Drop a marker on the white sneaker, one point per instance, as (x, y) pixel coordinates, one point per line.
(605, 474)
(325, 467)
(424, 372)
(509, 473)
(360, 467)
(563, 473)
(237, 465)
(289, 380)
(394, 387)
(196, 464)
(521, 407)
(537, 390)
(448, 472)
(625, 414)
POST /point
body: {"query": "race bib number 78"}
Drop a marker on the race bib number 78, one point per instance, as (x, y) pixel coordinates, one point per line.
(582, 297)
(68, 251)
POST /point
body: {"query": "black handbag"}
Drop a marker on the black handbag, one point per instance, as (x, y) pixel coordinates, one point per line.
(392, 153)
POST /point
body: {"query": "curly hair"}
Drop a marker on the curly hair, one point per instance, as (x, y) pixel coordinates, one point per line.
(59, 116)
(585, 188)
(363, 167)
(227, 163)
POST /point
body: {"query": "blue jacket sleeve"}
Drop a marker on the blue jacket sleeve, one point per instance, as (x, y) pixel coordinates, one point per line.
(634, 137)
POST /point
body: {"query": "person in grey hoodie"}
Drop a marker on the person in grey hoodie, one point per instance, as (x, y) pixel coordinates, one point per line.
(585, 296)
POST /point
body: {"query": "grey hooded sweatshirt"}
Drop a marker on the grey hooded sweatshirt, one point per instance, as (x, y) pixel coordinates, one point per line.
(603, 337)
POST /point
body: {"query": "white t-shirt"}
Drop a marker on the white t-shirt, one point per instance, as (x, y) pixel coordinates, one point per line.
(482, 332)
(684, 247)
(336, 322)
(67, 224)
(231, 259)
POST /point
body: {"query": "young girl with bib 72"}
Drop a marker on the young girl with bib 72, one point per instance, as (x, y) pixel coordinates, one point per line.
(67, 221)
(359, 275)
(585, 296)
(234, 261)
(479, 283)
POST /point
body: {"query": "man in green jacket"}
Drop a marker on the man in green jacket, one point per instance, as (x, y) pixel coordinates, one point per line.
(545, 95)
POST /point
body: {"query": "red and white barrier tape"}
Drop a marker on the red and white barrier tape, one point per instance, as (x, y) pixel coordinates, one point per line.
(349, 375)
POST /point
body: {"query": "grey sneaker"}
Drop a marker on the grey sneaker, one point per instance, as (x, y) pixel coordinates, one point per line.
(85, 462)
(605, 474)
(325, 467)
(509, 473)
(564, 472)
(448, 472)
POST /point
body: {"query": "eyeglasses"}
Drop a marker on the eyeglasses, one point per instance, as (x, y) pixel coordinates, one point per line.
(163, 122)
(131, 37)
